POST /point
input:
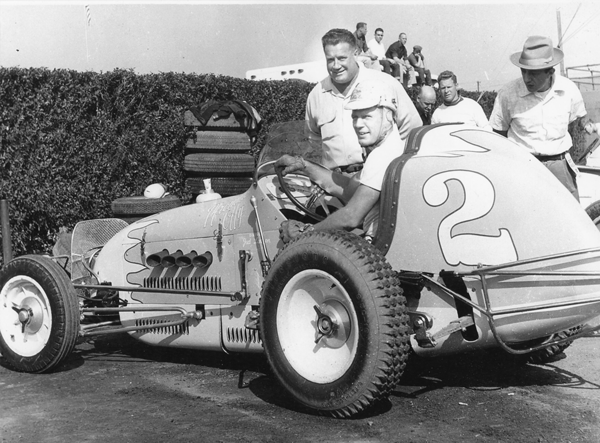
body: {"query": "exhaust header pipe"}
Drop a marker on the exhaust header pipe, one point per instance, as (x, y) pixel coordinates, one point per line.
(179, 259)
(154, 260)
(203, 261)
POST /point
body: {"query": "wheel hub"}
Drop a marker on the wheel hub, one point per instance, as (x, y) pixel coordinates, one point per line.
(24, 315)
(30, 315)
(333, 324)
(325, 325)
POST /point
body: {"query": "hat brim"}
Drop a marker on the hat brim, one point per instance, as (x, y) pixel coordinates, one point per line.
(557, 57)
(360, 104)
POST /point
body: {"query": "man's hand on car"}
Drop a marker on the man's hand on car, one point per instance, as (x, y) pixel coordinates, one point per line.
(290, 164)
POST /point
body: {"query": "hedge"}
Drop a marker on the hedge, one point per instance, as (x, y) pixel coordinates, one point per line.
(72, 142)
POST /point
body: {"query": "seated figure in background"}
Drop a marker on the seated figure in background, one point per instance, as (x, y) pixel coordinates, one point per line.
(417, 61)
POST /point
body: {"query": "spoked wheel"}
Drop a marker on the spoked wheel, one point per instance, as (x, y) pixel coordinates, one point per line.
(333, 323)
(39, 314)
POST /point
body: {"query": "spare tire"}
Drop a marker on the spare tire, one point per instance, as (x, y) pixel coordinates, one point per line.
(219, 165)
(218, 141)
(142, 206)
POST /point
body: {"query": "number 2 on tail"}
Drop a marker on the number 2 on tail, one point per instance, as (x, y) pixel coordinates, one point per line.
(479, 197)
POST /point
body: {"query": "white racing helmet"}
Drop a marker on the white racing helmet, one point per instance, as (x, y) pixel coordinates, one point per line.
(155, 190)
(372, 93)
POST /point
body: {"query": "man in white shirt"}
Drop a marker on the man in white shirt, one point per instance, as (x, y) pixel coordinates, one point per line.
(536, 109)
(328, 122)
(378, 49)
(455, 107)
(373, 106)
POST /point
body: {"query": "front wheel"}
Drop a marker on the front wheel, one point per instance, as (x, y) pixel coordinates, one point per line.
(39, 314)
(333, 323)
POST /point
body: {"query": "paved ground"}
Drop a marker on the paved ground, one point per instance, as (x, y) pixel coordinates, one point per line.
(133, 393)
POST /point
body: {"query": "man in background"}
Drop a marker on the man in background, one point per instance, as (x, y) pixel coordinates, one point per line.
(536, 109)
(417, 61)
(397, 52)
(365, 56)
(327, 120)
(455, 107)
(378, 49)
(425, 103)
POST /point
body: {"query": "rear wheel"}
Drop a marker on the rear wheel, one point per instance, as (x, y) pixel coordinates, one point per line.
(593, 211)
(551, 353)
(334, 323)
(39, 314)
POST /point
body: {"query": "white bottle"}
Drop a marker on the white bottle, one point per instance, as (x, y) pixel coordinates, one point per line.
(208, 193)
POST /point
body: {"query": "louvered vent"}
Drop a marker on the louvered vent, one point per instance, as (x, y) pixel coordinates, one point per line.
(242, 335)
(182, 329)
(206, 283)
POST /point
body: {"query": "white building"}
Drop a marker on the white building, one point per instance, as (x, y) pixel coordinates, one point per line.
(311, 72)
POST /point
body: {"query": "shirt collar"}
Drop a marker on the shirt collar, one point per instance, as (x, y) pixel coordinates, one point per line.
(556, 87)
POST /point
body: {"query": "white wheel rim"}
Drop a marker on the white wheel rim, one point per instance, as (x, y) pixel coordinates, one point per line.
(25, 316)
(597, 222)
(298, 326)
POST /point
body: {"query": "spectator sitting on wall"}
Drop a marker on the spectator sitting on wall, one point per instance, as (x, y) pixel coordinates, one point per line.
(397, 52)
(365, 55)
(378, 49)
(417, 61)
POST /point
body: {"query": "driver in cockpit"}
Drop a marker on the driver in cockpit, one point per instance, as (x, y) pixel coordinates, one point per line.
(373, 118)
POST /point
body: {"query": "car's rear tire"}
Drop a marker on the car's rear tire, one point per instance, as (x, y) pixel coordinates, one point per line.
(551, 353)
(350, 283)
(593, 211)
(39, 314)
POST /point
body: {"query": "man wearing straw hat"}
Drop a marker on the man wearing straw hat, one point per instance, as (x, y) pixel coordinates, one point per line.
(535, 110)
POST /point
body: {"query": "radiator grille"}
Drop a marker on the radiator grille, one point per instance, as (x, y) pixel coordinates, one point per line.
(182, 329)
(243, 335)
(206, 283)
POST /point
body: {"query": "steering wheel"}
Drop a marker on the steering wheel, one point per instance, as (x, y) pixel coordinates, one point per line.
(316, 196)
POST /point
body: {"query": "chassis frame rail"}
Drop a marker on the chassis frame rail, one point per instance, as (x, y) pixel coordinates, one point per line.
(482, 271)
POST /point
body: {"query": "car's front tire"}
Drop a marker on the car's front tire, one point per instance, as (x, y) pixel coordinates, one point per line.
(39, 314)
(333, 323)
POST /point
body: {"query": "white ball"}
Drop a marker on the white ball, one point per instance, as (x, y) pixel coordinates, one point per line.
(155, 190)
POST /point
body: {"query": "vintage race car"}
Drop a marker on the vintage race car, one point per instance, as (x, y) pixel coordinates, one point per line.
(478, 247)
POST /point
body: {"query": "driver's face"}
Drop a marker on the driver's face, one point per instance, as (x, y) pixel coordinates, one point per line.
(368, 125)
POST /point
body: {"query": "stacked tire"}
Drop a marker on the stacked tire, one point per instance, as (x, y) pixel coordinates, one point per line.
(135, 208)
(219, 151)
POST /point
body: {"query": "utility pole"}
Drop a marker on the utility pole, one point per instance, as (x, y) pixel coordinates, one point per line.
(559, 26)
(478, 85)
